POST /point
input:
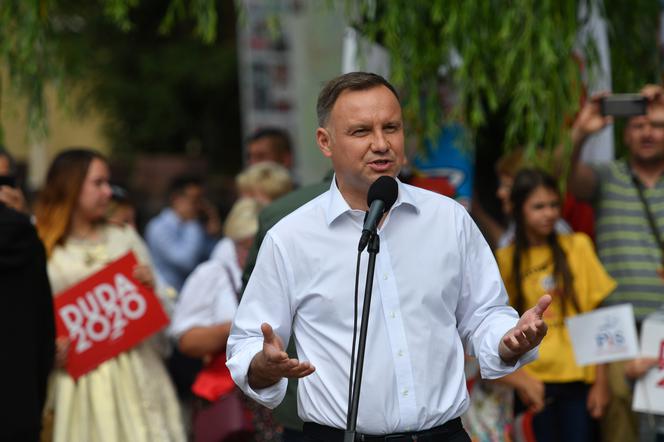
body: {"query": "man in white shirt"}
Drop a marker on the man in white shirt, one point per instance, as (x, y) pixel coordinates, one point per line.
(437, 291)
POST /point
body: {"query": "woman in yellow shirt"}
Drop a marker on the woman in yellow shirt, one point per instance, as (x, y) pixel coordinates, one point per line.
(564, 395)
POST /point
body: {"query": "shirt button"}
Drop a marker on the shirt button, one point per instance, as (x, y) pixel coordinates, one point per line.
(400, 354)
(385, 277)
(405, 393)
(393, 315)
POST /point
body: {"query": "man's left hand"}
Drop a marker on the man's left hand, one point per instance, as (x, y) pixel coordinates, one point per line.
(528, 333)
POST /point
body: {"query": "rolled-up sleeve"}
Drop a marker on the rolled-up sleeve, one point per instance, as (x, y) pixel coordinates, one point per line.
(483, 313)
(207, 298)
(266, 299)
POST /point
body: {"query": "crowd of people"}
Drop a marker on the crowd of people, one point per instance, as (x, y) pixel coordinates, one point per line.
(261, 308)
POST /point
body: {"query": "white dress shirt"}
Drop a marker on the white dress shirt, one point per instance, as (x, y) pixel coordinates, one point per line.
(437, 290)
(208, 295)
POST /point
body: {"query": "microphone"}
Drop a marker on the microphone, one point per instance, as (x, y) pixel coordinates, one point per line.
(380, 198)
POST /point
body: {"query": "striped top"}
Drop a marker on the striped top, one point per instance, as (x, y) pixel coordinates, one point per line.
(625, 242)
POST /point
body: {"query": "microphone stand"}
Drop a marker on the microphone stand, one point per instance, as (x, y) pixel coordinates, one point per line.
(351, 418)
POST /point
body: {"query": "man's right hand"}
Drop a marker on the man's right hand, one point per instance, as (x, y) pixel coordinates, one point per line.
(590, 119)
(582, 180)
(272, 364)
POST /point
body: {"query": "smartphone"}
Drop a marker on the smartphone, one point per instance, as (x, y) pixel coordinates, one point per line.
(624, 105)
(8, 180)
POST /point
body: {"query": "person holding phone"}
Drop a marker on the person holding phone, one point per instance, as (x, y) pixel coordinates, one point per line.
(626, 191)
(628, 195)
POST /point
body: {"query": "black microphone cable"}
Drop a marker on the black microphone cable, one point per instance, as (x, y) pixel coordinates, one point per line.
(352, 353)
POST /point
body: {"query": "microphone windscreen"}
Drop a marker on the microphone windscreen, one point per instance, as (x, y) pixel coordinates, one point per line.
(385, 188)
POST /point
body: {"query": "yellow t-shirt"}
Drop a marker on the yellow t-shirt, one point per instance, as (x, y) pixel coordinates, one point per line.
(592, 284)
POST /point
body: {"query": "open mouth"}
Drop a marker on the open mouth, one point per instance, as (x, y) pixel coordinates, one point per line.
(380, 164)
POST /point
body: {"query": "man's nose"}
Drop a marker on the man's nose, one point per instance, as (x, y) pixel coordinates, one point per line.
(379, 142)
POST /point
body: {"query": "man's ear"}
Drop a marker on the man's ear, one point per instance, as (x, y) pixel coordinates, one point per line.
(324, 141)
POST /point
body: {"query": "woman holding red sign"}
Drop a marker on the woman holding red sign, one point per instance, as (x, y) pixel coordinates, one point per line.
(129, 397)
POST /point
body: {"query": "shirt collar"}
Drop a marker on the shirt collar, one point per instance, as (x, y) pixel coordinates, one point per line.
(337, 205)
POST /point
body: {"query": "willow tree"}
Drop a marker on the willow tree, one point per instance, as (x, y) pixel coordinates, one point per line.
(519, 58)
(31, 47)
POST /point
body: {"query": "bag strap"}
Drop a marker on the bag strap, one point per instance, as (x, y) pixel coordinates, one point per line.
(646, 209)
(236, 289)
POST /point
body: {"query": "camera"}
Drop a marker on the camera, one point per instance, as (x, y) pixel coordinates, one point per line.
(624, 105)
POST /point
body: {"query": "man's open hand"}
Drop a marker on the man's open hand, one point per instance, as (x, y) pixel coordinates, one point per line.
(272, 363)
(528, 333)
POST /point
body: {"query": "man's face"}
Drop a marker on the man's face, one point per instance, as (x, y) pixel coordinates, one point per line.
(263, 149)
(188, 203)
(644, 136)
(364, 139)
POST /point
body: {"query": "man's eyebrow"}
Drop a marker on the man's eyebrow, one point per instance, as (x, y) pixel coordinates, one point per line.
(356, 126)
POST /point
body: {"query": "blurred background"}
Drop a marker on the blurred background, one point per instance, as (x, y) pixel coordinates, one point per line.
(165, 87)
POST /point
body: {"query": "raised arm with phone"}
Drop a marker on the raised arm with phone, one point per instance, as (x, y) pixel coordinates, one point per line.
(628, 194)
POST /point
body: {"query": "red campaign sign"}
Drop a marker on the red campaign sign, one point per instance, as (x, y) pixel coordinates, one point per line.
(106, 314)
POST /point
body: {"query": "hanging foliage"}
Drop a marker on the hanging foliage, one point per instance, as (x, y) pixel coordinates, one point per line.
(634, 49)
(519, 59)
(515, 56)
(31, 43)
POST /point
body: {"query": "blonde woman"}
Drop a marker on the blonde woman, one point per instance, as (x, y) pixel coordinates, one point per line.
(129, 397)
(264, 182)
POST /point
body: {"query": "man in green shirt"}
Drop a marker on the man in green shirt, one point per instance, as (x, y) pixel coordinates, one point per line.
(628, 195)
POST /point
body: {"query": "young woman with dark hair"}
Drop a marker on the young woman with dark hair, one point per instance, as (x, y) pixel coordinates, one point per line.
(565, 396)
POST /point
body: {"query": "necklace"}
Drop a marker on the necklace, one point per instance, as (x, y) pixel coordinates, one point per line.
(94, 254)
(94, 251)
